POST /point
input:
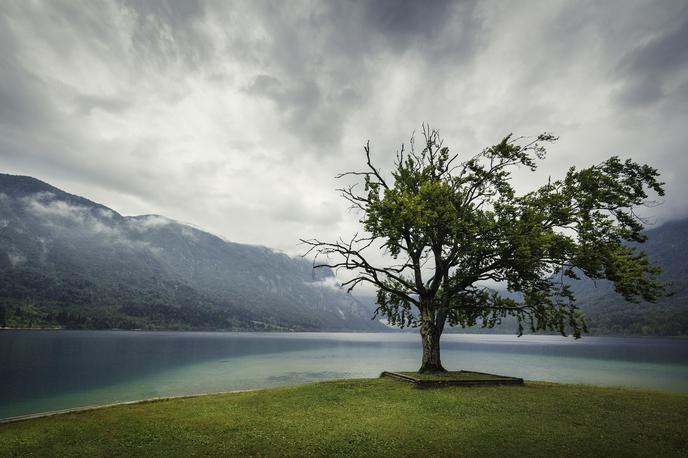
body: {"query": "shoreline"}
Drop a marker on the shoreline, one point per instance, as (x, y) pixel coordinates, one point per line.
(93, 407)
(89, 408)
(390, 331)
(370, 417)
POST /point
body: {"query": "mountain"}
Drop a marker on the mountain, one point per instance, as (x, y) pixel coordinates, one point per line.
(608, 313)
(67, 261)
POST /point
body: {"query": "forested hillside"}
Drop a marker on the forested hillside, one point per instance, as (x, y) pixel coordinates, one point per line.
(66, 261)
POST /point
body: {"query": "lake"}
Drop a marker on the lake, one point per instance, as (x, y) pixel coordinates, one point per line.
(49, 370)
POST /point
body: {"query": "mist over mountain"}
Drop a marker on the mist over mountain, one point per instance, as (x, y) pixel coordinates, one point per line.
(67, 261)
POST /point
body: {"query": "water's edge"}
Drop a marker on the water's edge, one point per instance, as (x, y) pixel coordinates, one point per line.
(47, 371)
(52, 413)
(90, 408)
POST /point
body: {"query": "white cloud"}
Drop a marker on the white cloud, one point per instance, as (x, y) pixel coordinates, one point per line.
(44, 205)
(16, 257)
(63, 216)
(236, 116)
(329, 283)
(148, 222)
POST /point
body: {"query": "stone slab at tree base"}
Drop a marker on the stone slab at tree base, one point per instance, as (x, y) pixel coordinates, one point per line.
(453, 378)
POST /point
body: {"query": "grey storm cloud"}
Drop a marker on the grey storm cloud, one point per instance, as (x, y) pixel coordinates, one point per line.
(236, 115)
(656, 70)
(404, 24)
(169, 31)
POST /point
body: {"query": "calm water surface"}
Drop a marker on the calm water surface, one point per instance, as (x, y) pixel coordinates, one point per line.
(49, 370)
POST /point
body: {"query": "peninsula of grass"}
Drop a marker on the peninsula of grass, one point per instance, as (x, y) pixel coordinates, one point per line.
(371, 417)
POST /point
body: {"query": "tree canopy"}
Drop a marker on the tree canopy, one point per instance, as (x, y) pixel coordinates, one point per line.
(454, 225)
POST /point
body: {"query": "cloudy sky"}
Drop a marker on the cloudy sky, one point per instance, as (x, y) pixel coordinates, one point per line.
(235, 116)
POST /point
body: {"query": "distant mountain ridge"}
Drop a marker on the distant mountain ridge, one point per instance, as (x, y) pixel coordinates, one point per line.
(608, 313)
(71, 262)
(67, 261)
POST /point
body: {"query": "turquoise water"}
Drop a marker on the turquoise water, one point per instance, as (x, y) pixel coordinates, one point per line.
(49, 370)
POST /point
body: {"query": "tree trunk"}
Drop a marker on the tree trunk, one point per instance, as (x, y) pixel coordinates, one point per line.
(430, 332)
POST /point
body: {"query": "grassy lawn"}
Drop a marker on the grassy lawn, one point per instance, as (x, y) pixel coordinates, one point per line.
(373, 417)
(453, 375)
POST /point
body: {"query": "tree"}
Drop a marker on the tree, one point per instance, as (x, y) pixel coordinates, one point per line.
(449, 226)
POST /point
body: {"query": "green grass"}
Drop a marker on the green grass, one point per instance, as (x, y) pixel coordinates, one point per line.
(374, 417)
(453, 375)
